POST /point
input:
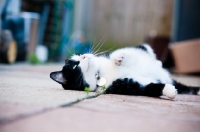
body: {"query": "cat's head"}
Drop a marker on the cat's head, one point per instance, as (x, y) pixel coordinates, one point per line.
(70, 77)
(78, 72)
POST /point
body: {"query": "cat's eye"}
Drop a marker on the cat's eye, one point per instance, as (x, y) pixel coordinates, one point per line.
(74, 66)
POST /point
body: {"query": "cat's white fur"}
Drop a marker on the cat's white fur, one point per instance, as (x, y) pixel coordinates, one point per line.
(133, 63)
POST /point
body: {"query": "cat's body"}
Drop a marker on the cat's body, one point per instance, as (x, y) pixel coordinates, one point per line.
(131, 71)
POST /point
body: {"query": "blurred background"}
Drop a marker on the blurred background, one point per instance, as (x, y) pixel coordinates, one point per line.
(40, 31)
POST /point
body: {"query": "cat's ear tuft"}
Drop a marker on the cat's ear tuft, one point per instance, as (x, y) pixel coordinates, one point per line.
(58, 77)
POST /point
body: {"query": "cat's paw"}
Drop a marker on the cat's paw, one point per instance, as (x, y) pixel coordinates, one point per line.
(118, 59)
(170, 91)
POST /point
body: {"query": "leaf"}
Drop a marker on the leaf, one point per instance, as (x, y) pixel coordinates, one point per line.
(103, 87)
(87, 90)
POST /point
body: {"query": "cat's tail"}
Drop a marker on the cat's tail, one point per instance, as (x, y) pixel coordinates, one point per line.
(183, 89)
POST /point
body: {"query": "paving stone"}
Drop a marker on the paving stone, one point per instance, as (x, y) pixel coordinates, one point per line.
(11, 111)
(23, 86)
(115, 113)
(185, 107)
(34, 88)
(30, 100)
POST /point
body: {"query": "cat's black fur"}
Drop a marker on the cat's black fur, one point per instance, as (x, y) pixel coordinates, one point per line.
(73, 76)
(142, 47)
(129, 87)
(183, 89)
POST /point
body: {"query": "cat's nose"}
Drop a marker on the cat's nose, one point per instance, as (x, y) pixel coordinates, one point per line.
(83, 56)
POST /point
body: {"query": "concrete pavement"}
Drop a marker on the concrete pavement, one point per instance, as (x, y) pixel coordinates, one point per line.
(31, 101)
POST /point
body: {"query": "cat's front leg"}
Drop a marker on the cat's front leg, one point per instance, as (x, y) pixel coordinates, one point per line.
(117, 58)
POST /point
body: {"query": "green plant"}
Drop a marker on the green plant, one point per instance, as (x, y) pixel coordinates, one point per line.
(87, 90)
(103, 88)
(32, 58)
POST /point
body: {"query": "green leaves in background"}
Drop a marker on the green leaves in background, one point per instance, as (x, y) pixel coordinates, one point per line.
(32, 58)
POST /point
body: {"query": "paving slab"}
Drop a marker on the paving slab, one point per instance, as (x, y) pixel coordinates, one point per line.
(117, 113)
(24, 85)
(184, 107)
(12, 111)
(30, 101)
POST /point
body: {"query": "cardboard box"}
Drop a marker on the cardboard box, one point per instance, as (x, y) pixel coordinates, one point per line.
(186, 56)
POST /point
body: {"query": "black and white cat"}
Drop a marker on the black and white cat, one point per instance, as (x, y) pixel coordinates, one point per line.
(128, 71)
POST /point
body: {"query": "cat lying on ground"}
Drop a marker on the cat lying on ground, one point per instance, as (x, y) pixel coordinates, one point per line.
(127, 71)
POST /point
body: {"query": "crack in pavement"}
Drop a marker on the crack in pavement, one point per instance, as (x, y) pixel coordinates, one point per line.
(41, 111)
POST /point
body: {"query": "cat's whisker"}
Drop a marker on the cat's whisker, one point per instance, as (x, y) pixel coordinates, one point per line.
(91, 49)
(101, 45)
(93, 43)
(97, 46)
(68, 49)
(101, 52)
(75, 49)
(80, 81)
(106, 50)
(79, 76)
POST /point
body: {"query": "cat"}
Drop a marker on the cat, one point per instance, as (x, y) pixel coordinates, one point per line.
(127, 71)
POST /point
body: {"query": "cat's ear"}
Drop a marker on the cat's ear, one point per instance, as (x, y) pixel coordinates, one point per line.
(58, 77)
